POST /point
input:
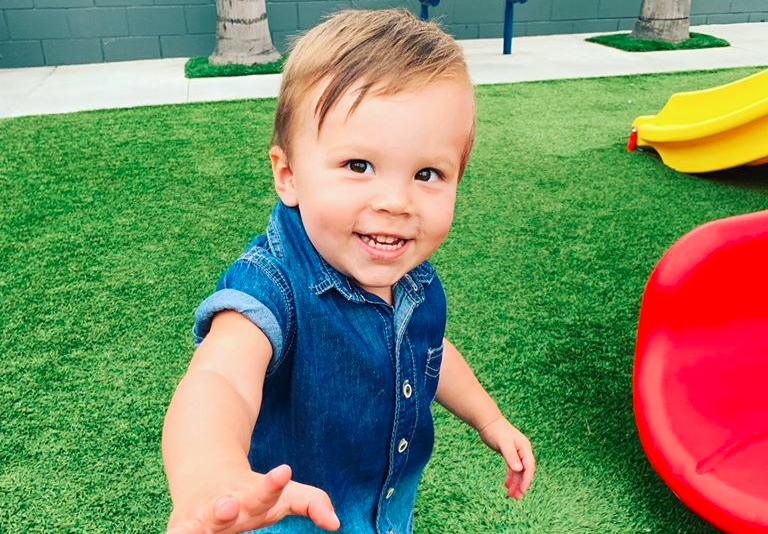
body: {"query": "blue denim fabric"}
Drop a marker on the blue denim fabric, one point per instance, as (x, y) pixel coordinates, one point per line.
(347, 395)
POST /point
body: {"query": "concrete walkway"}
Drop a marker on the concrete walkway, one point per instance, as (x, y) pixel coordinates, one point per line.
(42, 90)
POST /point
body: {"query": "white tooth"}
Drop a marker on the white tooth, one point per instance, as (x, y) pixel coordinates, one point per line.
(383, 242)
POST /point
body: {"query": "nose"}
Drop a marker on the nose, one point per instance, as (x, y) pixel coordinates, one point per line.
(394, 196)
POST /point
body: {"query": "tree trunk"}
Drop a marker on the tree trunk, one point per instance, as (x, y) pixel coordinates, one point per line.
(242, 33)
(667, 20)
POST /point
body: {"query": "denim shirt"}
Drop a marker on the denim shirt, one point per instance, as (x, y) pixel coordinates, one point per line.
(347, 394)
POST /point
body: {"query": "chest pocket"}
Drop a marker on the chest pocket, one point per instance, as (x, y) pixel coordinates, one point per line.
(434, 360)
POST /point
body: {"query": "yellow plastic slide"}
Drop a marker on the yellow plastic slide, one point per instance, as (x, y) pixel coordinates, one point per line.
(710, 130)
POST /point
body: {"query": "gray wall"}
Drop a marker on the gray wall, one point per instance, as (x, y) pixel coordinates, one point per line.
(58, 32)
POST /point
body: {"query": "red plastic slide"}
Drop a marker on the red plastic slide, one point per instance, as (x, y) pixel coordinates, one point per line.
(701, 371)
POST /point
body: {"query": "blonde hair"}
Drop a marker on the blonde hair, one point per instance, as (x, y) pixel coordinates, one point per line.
(380, 52)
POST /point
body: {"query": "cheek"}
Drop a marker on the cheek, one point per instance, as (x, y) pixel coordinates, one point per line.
(440, 218)
(444, 228)
(327, 217)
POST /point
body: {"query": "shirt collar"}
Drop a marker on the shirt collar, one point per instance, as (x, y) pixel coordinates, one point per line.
(287, 238)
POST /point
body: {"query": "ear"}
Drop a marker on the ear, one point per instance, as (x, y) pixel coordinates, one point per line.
(283, 175)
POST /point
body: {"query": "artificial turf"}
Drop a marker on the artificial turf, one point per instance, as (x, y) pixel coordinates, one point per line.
(114, 225)
(200, 67)
(628, 43)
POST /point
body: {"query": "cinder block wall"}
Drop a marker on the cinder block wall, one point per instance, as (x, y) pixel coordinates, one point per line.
(58, 32)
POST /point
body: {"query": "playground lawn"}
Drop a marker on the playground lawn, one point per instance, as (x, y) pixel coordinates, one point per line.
(625, 41)
(116, 224)
(199, 67)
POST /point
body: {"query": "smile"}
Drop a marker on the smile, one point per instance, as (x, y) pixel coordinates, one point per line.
(383, 242)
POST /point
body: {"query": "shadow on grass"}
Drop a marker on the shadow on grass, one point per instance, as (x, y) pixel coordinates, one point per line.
(755, 176)
(752, 176)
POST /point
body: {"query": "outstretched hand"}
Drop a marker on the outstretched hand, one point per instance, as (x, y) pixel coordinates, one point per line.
(259, 502)
(516, 450)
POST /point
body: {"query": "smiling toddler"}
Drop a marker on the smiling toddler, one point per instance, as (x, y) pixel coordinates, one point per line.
(306, 405)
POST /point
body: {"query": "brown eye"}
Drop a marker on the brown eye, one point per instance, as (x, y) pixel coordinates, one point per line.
(360, 166)
(427, 175)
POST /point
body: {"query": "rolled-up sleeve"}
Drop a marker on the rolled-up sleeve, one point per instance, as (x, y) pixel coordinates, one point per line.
(257, 288)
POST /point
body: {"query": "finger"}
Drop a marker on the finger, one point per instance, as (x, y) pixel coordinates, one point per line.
(280, 476)
(264, 495)
(514, 470)
(514, 480)
(511, 457)
(529, 463)
(321, 513)
(313, 503)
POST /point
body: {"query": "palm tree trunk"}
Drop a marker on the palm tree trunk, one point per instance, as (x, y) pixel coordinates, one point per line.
(242, 33)
(667, 20)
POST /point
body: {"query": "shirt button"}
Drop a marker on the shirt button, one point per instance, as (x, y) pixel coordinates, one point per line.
(407, 389)
(390, 492)
(402, 445)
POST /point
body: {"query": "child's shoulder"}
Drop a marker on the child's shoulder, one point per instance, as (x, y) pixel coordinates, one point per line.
(257, 265)
(259, 246)
(259, 255)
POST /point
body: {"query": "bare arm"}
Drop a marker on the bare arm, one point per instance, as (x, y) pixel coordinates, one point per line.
(214, 409)
(460, 393)
(207, 435)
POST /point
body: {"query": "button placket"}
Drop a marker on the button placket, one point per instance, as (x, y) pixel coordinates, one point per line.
(405, 415)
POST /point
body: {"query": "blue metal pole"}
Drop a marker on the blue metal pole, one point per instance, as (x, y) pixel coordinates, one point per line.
(509, 19)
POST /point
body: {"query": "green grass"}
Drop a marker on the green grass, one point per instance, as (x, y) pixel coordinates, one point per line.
(114, 225)
(200, 67)
(625, 41)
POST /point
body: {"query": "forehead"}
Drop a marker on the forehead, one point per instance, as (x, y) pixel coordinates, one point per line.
(323, 100)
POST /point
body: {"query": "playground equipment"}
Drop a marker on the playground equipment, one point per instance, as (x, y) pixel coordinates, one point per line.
(701, 372)
(709, 130)
(509, 19)
(425, 5)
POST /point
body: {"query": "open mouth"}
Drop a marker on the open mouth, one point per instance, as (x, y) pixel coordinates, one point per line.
(383, 242)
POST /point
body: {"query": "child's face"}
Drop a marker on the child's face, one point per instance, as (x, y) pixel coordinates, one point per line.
(376, 189)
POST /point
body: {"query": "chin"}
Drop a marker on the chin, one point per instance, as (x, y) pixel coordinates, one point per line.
(380, 282)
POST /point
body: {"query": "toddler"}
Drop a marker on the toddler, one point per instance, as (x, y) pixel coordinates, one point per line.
(306, 406)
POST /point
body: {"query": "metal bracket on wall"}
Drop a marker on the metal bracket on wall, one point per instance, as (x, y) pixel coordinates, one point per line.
(509, 19)
(425, 5)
